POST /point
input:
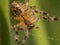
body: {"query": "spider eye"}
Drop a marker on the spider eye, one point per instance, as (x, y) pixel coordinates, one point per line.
(17, 11)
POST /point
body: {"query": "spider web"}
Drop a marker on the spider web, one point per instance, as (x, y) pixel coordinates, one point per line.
(49, 38)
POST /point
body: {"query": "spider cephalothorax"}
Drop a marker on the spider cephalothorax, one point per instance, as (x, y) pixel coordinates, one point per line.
(27, 19)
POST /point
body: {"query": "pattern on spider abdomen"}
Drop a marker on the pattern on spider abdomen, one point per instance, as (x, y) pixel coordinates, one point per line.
(28, 21)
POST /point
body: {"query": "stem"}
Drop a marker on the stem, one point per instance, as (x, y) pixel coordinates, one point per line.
(4, 22)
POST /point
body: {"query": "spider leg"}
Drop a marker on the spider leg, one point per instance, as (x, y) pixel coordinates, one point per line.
(27, 2)
(38, 11)
(16, 37)
(48, 18)
(45, 15)
(55, 19)
(16, 28)
(25, 37)
(41, 12)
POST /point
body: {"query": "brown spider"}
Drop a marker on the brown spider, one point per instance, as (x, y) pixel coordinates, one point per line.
(25, 15)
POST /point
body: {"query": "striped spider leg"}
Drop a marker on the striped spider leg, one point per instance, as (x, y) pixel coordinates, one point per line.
(45, 15)
(27, 2)
(17, 28)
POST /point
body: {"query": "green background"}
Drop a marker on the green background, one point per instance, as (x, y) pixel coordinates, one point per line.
(47, 34)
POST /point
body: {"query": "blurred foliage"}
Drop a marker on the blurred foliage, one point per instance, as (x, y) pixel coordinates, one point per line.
(4, 22)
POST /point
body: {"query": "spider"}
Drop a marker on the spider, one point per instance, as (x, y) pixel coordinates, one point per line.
(25, 14)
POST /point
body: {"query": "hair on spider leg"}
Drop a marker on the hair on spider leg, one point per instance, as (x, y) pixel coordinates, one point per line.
(49, 18)
(45, 13)
(22, 42)
(27, 2)
(38, 11)
(56, 19)
(12, 27)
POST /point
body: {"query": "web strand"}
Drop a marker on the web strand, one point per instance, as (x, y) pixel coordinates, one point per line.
(39, 36)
